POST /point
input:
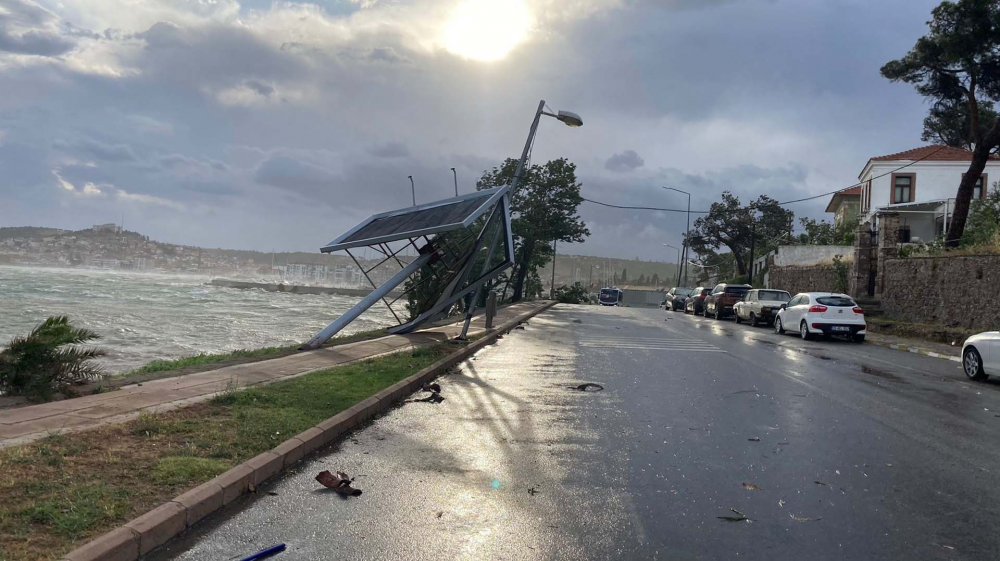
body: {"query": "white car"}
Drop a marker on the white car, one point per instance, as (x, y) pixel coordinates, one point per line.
(981, 356)
(822, 313)
(760, 306)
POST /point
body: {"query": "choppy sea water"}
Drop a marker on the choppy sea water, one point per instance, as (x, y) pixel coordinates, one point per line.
(147, 316)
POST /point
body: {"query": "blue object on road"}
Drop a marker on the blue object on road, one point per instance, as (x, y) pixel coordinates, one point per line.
(266, 553)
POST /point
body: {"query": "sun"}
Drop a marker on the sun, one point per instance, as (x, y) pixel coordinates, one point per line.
(487, 30)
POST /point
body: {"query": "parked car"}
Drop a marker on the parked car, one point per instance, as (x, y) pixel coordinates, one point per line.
(822, 313)
(760, 306)
(723, 297)
(981, 356)
(695, 303)
(676, 296)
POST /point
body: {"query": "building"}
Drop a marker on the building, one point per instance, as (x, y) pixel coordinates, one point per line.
(923, 193)
(113, 228)
(845, 205)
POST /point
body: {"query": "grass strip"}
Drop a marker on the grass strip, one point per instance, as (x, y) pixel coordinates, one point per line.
(58, 492)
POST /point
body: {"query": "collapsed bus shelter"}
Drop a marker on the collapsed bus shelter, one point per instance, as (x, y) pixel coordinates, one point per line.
(460, 243)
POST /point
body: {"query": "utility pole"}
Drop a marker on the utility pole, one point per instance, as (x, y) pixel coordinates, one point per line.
(455, 174)
(753, 238)
(413, 190)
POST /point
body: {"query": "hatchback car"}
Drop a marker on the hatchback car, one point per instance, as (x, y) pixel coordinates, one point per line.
(676, 296)
(723, 297)
(695, 303)
(760, 306)
(822, 313)
(981, 356)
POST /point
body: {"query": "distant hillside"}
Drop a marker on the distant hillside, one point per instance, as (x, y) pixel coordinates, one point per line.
(28, 232)
(578, 268)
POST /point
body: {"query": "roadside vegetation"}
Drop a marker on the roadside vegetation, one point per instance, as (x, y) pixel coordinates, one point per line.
(67, 488)
(573, 294)
(49, 360)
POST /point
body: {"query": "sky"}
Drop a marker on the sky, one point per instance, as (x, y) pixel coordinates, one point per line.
(279, 125)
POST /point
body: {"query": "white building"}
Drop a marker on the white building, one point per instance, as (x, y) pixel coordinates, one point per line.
(923, 192)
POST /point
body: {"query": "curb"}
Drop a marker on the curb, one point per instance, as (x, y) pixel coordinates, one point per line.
(916, 350)
(156, 527)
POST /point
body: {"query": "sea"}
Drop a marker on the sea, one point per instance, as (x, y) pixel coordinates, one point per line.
(144, 316)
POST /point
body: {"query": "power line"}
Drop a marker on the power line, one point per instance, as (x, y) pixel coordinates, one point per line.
(781, 203)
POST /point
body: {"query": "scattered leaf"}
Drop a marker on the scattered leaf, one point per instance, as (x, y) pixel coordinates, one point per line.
(751, 487)
(801, 519)
(781, 503)
(735, 519)
(754, 439)
(821, 483)
(737, 512)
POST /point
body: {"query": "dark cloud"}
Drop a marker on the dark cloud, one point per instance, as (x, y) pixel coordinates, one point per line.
(290, 174)
(97, 149)
(626, 161)
(389, 150)
(260, 88)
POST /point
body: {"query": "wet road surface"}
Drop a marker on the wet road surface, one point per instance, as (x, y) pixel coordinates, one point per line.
(711, 440)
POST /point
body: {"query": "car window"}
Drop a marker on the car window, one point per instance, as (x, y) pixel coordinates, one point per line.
(796, 301)
(736, 289)
(774, 295)
(841, 301)
(718, 288)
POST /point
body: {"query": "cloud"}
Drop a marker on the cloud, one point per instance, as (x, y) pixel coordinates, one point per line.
(29, 29)
(290, 174)
(626, 161)
(389, 150)
(97, 149)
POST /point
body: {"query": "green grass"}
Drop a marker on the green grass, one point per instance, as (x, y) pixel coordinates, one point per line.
(67, 488)
(204, 359)
(182, 469)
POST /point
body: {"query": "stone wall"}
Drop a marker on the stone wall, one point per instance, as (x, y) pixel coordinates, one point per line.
(949, 291)
(817, 278)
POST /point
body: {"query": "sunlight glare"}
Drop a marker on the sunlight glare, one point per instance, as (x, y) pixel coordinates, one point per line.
(487, 30)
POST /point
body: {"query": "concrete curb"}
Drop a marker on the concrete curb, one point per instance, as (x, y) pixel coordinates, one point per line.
(166, 521)
(916, 350)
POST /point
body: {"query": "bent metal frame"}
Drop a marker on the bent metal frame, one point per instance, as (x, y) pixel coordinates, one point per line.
(461, 243)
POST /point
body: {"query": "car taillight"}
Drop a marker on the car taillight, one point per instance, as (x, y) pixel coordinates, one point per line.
(702, 297)
(859, 311)
(817, 309)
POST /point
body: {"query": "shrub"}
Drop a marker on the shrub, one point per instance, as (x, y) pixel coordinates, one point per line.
(843, 271)
(572, 294)
(49, 359)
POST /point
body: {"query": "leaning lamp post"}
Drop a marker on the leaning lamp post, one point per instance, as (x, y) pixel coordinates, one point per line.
(568, 118)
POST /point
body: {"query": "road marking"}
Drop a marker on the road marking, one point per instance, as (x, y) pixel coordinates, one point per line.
(649, 344)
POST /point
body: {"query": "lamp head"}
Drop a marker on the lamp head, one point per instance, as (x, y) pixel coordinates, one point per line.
(571, 119)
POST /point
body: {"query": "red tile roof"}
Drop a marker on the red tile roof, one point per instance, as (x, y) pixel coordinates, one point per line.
(934, 153)
(856, 190)
(849, 192)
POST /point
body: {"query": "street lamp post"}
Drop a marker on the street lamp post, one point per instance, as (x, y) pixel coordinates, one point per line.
(569, 119)
(413, 190)
(687, 234)
(678, 260)
(455, 174)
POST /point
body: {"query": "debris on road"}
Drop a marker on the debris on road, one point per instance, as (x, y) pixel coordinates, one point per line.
(588, 387)
(434, 397)
(821, 483)
(440, 513)
(737, 512)
(340, 483)
(781, 503)
(432, 387)
(801, 519)
(533, 491)
(735, 519)
(754, 439)
(751, 487)
(578, 321)
(265, 553)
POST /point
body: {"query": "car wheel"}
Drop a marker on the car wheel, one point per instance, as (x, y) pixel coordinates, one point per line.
(736, 316)
(777, 327)
(804, 331)
(753, 319)
(704, 311)
(972, 364)
(858, 339)
(718, 313)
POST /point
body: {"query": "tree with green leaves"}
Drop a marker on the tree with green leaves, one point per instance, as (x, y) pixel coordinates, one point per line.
(824, 233)
(624, 277)
(543, 210)
(730, 224)
(958, 63)
(984, 220)
(49, 359)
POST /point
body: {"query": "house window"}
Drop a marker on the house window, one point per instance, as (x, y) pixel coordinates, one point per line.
(979, 191)
(903, 185)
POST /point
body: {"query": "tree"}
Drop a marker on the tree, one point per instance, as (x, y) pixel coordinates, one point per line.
(48, 359)
(824, 233)
(730, 224)
(959, 60)
(543, 210)
(574, 294)
(948, 123)
(641, 281)
(655, 281)
(624, 277)
(984, 220)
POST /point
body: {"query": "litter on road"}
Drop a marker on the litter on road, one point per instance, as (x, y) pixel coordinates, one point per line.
(588, 387)
(801, 519)
(339, 482)
(751, 487)
(273, 550)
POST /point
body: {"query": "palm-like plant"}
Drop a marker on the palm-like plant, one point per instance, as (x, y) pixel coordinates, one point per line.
(49, 359)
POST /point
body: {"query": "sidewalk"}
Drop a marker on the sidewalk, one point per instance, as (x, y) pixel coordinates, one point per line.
(26, 424)
(917, 346)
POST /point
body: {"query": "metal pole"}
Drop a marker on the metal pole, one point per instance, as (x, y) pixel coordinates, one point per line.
(413, 190)
(687, 234)
(455, 173)
(552, 289)
(478, 293)
(753, 238)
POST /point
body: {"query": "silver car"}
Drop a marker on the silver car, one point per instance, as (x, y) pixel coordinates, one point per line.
(981, 356)
(760, 306)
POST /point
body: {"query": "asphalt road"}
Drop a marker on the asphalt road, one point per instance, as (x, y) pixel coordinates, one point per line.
(863, 453)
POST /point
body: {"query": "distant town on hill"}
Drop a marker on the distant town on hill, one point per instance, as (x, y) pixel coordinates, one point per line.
(108, 247)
